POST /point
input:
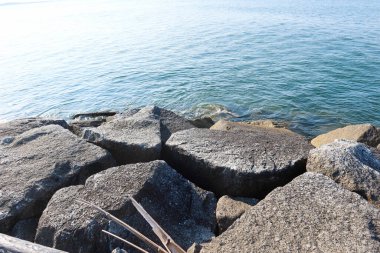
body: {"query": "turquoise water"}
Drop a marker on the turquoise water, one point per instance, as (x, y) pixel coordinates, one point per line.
(314, 64)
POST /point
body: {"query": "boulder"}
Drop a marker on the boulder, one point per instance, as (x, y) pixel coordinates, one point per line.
(38, 162)
(9, 244)
(137, 137)
(365, 133)
(310, 214)
(186, 212)
(351, 164)
(229, 209)
(237, 163)
(9, 130)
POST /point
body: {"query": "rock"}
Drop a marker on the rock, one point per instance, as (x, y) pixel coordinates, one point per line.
(186, 212)
(83, 121)
(138, 137)
(15, 127)
(118, 250)
(365, 133)
(310, 214)
(36, 164)
(353, 165)
(237, 163)
(229, 209)
(205, 122)
(195, 248)
(249, 126)
(9, 244)
(25, 229)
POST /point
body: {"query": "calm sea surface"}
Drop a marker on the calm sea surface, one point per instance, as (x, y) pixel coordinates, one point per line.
(314, 64)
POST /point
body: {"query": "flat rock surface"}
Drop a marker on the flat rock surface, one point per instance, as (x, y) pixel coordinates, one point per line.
(38, 162)
(237, 163)
(310, 214)
(365, 133)
(186, 212)
(15, 127)
(248, 125)
(137, 137)
(229, 209)
(351, 164)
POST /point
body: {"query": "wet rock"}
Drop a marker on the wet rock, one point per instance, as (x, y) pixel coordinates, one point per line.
(94, 115)
(25, 229)
(229, 209)
(237, 163)
(186, 212)
(9, 244)
(310, 214)
(353, 165)
(248, 126)
(15, 127)
(365, 133)
(137, 137)
(38, 162)
(205, 122)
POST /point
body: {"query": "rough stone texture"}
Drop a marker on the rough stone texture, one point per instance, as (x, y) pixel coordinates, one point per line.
(119, 250)
(248, 126)
(38, 162)
(237, 163)
(205, 122)
(12, 128)
(137, 137)
(365, 133)
(351, 164)
(9, 244)
(310, 214)
(229, 209)
(186, 212)
(25, 229)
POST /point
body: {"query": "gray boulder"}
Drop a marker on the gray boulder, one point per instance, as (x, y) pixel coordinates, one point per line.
(310, 214)
(353, 165)
(186, 212)
(137, 137)
(9, 130)
(237, 163)
(229, 209)
(82, 121)
(38, 162)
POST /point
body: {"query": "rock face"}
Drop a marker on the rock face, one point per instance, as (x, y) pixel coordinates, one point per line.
(36, 163)
(25, 229)
(365, 133)
(15, 127)
(353, 165)
(237, 163)
(310, 214)
(186, 212)
(86, 120)
(137, 137)
(229, 209)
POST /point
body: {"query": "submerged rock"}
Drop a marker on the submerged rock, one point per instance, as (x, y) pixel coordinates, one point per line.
(310, 214)
(137, 137)
(229, 209)
(38, 162)
(237, 163)
(353, 165)
(205, 122)
(186, 212)
(248, 126)
(365, 133)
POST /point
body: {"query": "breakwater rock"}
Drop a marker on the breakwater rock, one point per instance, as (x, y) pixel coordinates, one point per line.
(226, 187)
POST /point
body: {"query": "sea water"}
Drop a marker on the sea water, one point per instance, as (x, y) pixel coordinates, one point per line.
(313, 64)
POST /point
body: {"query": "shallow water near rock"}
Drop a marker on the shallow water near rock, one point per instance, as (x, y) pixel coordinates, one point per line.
(314, 64)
